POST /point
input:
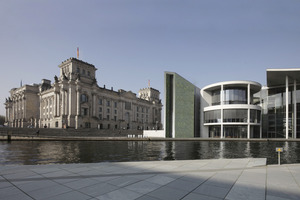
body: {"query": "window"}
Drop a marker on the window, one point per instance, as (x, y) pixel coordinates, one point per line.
(56, 124)
(137, 109)
(108, 126)
(89, 74)
(146, 110)
(107, 117)
(235, 131)
(235, 96)
(115, 118)
(213, 116)
(142, 110)
(116, 104)
(78, 70)
(84, 111)
(127, 106)
(235, 115)
(87, 125)
(107, 103)
(100, 101)
(116, 126)
(100, 109)
(255, 116)
(100, 116)
(83, 72)
(108, 110)
(116, 112)
(84, 98)
(215, 97)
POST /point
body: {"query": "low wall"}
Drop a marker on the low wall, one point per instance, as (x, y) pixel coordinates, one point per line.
(48, 132)
(154, 134)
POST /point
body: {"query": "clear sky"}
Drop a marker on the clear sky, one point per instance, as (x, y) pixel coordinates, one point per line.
(133, 41)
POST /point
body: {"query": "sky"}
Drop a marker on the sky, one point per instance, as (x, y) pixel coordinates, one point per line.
(133, 41)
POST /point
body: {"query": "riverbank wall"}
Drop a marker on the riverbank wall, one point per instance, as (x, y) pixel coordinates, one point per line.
(65, 134)
(46, 134)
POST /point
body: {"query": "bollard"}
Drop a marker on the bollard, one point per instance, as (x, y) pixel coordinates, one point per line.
(279, 149)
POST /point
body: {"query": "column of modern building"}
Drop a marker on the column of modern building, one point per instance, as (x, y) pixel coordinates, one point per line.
(294, 130)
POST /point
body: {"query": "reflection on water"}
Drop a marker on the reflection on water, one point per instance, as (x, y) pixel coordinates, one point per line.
(45, 152)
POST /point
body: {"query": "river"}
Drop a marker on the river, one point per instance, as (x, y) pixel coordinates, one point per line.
(50, 152)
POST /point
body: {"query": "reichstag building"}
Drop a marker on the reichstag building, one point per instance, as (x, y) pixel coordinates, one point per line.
(74, 100)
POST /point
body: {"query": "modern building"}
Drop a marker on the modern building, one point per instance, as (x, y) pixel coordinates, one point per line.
(75, 100)
(182, 107)
(230, 110)
(234, 109)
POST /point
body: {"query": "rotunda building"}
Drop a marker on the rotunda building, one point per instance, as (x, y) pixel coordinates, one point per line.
(231, 109)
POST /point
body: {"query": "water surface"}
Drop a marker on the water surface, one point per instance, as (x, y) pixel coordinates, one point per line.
(47, 152)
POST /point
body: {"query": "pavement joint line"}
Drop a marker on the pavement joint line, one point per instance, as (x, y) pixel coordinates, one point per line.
(200, 185)
(293, 176)
(133, 174)
(234, 183)
(17, 187)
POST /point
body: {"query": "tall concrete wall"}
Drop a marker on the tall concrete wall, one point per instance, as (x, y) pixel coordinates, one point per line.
(182, 107)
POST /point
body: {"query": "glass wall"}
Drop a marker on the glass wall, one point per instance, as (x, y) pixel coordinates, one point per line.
(255, 116)
(235, 115)
(274, 115)
(216, 98)
(254, 131)
(235, 131)
(213, 116)
(214, 132)
(235, 96)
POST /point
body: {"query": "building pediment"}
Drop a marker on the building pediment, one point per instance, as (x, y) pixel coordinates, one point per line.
(128, 94)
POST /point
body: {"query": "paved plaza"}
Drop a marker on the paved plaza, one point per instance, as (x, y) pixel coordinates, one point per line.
(151, 180)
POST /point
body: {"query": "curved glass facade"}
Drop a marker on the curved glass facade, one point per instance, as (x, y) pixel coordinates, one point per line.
(231, 111)
(215, 97)
(235, 131)
(235, 115)
(213, 116)
(235, 96)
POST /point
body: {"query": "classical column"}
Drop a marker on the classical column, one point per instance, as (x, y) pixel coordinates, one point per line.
(23, 107)
(55, 104)
(58, 105)
(94, 105)
(62, 102)
(13, 109)
(295, 109)
(286, 107)
(78, 102)
(41, 108)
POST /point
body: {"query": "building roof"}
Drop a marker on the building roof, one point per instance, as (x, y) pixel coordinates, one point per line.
(77, 60)
(276, 77)
(255, 86)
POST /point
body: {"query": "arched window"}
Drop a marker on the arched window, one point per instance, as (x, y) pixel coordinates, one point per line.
(84, 98)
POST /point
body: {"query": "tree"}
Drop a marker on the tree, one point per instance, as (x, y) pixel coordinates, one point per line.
(2, 119)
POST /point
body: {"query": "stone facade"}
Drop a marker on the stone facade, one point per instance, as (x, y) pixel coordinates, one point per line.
(75, 100)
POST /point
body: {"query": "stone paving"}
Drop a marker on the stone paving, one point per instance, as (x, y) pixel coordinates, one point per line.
(151, 180)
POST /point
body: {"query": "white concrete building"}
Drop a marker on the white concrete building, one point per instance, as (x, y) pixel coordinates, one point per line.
(230, 110)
